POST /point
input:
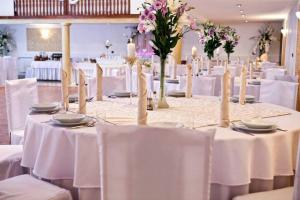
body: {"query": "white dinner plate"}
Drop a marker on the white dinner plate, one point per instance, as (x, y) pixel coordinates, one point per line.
(258, 124)
(44, 106)
(68, 118)
(242, 127)
(166, 125)
(70, 124)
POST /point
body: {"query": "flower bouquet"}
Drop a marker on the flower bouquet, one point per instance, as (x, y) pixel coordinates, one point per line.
(168, 21)
(209, 37)
(230, 40)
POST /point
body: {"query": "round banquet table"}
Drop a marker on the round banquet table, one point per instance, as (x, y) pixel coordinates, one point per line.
(241, 163)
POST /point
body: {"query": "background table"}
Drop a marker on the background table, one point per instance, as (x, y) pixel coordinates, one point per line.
(44, 70)
(238, 159)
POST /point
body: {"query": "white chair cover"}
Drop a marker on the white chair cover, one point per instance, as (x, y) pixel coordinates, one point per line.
(279, 92)
(25, 187)
(203, 86)
(218, 83)
(20, 96)
(268, 65)
(10, 161)
(10, 63)
(110, 85)
(288, 78)
(154, 163)
(272, 73)
(149, 80)
(297, 178)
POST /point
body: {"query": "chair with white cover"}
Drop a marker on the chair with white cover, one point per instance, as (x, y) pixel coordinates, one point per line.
(288, 193)
(203, 85)
(272, 73)
(288, 78)
(20, 96)
(110, 85)
(143, 163)
(217, 90)
(10, 161)
(281, 93)
(26, 187)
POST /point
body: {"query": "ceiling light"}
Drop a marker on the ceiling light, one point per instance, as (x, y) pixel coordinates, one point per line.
(241, 11)
(246, 21)
(243, 15)
(239, 5)
(298, 14)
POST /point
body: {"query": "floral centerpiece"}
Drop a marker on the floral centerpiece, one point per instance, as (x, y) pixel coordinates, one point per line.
(168, 21)
(230, 40)
(6, 42)
(210, 38)
(264, 40)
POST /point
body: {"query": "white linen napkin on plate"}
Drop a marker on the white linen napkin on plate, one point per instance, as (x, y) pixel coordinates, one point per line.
(243, 85)
(82, 92)
(99, 83)
(65, 89)
(189, 73)
(142, 96)
(224, 112)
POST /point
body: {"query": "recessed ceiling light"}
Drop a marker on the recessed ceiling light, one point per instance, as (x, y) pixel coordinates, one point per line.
(239, 5)
(246, 21)
(241, 11)
(243, 15)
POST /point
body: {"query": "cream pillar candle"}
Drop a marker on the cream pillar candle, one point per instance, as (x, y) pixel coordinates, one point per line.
(65, 89)
(194, 52)
(142, 96)
(131, 50)
(99, 83)
(82, 92)
(243, 85)
(189, 77)
(66, 52)
(224, 112)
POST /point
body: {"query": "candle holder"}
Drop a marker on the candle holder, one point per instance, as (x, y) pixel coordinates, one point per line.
(130, 61)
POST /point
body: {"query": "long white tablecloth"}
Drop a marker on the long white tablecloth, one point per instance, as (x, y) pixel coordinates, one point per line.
(62, 153)
(44, 70)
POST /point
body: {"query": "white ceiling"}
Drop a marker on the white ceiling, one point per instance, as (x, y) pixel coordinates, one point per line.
(255, 10)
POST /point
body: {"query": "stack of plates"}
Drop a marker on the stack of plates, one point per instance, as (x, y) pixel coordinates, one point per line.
(176, 94)
(70, 119)
(255, 82)
(256, 126)
(45, 107)
(249, 99)
(74, 98)
(174, 81)
(122, 94)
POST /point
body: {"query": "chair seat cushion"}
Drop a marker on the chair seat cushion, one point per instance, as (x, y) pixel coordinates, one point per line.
(280, 194)
(25, 187)
(10, 159)
(17, 137)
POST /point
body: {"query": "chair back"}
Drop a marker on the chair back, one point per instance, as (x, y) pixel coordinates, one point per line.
(288, 78)
(20, 96)
(203, 85)
(279, 92)
(270, 74)
(142, 163)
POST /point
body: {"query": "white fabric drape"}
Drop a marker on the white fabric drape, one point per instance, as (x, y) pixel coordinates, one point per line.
(203, 86)
(155, 163)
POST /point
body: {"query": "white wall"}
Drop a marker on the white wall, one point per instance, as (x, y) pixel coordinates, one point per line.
(87, 40)
(245, 47)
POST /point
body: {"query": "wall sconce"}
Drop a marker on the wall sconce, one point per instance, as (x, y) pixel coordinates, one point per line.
(298, 14)
(284, 31)
(45, 33)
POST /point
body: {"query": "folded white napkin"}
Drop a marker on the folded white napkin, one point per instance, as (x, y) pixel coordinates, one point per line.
(65, 89)
(82, 92)
(142, 96)
(99, 83)
(189, 74)
(224, 112)
(243, 85)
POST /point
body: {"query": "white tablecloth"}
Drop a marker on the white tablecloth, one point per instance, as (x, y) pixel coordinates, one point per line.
(8, 69)
(44, 70)
(62, 153)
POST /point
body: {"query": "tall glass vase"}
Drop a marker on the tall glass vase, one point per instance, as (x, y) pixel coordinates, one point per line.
(162, 102)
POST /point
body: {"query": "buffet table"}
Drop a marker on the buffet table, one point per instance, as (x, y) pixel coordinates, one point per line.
(44, 70)
(57, 153)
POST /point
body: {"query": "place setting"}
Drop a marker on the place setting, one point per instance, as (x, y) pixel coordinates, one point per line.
(45, 108)
(248, 99)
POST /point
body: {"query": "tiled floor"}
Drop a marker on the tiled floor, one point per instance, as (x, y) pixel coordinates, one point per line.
(48, 92)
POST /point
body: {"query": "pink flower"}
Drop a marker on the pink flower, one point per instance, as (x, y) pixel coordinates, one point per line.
(151, 17)
(146, 12)
(157, 5)
(142, 17)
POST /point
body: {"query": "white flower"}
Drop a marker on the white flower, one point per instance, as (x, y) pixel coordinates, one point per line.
(174, 5)
(183, 21)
